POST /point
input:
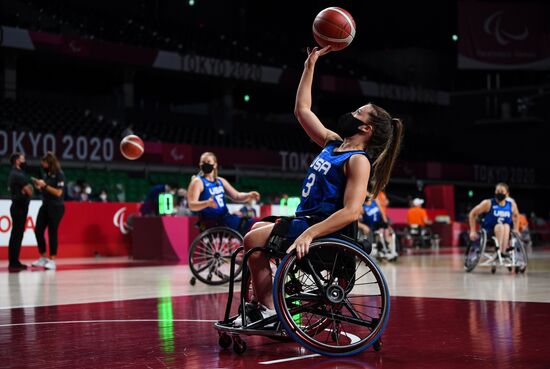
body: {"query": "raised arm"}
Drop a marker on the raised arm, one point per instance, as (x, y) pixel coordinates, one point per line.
(302, 108)
(236, 195)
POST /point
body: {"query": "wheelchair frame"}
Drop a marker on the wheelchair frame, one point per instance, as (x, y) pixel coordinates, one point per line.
(214, 258)
(496, 259)
(276, 327)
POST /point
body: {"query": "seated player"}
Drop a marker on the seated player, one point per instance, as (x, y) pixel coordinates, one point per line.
(498, 214)
(366, 142)
(206, 196)
(372, 220)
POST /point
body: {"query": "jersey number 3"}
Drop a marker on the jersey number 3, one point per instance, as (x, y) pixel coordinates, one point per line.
(307, 186)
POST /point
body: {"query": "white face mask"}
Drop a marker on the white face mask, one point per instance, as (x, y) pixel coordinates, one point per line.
(103, 197)
(88, 190)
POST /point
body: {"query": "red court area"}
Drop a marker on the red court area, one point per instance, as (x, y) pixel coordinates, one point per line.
(177, 332)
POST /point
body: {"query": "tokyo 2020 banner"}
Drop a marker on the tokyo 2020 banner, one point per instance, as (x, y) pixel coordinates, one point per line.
(503, 35)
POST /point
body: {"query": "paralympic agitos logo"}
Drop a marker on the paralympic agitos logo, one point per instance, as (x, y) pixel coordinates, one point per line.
(493, 26)
(119, 220)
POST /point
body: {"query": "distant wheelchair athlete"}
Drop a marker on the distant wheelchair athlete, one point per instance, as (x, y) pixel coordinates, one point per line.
(374, 229)
(210, 252)
(496, 230)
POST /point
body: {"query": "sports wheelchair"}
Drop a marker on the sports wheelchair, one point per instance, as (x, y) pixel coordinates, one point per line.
(420, 237)
(334, 301)
(210, 253)
(380, 248)
(485, 251)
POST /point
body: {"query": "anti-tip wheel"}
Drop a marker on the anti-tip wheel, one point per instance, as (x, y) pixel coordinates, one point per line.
(224, 340)
(239, 346)
(193, 281)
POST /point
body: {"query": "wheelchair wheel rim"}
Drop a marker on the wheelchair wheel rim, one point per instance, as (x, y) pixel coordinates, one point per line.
(339, 327)
(210, 255)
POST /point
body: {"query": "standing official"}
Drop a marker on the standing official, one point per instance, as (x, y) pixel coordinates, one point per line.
(52, 209)
(21, 192)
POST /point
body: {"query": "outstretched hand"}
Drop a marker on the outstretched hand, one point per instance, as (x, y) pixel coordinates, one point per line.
(314, 53)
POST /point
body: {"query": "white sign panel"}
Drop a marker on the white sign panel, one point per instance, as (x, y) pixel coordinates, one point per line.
(6, 223)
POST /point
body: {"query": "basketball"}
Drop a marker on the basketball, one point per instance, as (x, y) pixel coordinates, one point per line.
(131, 147)
(334, 26)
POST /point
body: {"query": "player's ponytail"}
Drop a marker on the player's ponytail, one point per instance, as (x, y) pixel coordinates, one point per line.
(384, 147)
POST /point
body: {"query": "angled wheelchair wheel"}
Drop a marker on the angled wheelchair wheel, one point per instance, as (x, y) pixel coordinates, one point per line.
(210, 255)
(335, 301)
(520, 253)
(474, 251)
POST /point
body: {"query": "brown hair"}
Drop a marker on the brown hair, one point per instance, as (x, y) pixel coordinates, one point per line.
(53, 164)
(215, 172)
(383, 146)
(502, 184)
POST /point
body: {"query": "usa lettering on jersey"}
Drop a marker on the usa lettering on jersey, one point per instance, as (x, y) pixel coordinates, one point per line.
(502, 213)
(373, 211)
(215, 190)
(321, 165)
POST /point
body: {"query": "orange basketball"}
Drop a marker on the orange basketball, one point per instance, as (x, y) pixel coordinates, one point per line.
(334, 26)
(132, 147)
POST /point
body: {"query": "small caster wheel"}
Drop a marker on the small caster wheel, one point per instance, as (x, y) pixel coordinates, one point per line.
(493, 269)
(522, 269)
(193, 281)
(509, 269)
(224, 340)
(377, 345)
(239, 346)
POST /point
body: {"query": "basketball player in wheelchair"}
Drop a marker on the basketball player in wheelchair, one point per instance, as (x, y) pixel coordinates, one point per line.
(499, 229)
(221, 232)
(327, 293)
(376, 232)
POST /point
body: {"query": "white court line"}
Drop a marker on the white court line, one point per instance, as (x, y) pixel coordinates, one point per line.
(288, 359)
(201, 293)
(352, 337)
(111, 321)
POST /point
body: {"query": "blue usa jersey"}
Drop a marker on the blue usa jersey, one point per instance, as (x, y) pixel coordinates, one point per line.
(372, 214)
(325, 182)
(498, 214)
(213, 189)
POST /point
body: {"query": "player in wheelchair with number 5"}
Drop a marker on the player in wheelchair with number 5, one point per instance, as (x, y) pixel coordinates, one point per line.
(222, 232)
(499, 226)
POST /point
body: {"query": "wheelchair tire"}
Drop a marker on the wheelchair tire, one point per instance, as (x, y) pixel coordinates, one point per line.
(343, 296)
(210, 255)
(474, 252)
(521, 251)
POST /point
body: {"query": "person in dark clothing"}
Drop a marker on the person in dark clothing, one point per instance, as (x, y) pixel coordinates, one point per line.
(150, 205)
(21, 192)
(52, 209)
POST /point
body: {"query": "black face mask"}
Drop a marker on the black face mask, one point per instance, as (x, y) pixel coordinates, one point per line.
(23, 166)
(207, 168)
(348, 125)
(500, 196)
